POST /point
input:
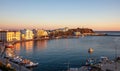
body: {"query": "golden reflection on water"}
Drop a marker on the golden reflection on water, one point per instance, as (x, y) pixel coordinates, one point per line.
(41, 45)
(17, 47)
(29, 46)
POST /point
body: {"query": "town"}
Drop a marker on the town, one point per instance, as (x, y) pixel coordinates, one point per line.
(38, 34)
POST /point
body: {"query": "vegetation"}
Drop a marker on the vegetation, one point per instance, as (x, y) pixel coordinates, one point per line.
(4, 68)
(70, 32)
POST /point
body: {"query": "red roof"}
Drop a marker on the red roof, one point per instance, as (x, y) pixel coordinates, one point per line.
(8, 46)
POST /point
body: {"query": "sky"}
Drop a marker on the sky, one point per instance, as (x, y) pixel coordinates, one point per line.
(99, 15)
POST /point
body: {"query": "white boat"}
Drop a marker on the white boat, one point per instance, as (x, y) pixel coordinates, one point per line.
(103, 59)
(17, 59)
(90, 61)
(31, 64)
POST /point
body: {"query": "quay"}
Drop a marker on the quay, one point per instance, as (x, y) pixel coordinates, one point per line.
(6, 61)
(15, 66)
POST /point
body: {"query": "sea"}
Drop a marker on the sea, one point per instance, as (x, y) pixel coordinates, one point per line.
(61, 54)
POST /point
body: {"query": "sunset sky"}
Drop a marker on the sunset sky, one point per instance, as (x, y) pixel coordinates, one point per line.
(51, 14)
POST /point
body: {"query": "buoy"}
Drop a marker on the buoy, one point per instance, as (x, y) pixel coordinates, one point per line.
(90, 50)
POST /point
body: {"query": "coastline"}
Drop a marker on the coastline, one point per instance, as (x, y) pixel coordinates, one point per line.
(40, 39)
(62, 37)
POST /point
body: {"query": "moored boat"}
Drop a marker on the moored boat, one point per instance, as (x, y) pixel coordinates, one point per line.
(90, 61)
(9, 46)
(31, 64)
(103, 59)
(27, 63)
(90, 50)
(17, 59)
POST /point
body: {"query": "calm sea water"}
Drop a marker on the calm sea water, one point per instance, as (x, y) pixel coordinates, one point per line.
(54, 55)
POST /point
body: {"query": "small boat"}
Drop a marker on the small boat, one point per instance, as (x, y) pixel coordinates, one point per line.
(9, 46)
(17, 59)
(31, 64)
(90, 61)
(90, 50)
(103, 59)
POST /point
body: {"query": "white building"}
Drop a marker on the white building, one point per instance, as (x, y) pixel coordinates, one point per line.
(77, 33)
(62, 29)
(26, 34)
(7, 36)
(40, 33)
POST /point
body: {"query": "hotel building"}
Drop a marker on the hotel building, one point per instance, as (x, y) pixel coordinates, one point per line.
(7, 36)
(40, 33)
(26, 34)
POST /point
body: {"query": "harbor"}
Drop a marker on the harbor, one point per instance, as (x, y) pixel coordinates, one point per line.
(59, 35)
(9, 58)
(53, 54)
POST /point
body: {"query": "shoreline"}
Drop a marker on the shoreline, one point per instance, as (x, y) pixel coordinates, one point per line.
(61, 37)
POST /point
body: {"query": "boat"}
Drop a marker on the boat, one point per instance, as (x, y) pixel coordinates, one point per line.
(31, 64)
(17, 59)
(90, 61)
(90, 50)
(9, 46)
(25, 61)
(103, 59)
(8, 51)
